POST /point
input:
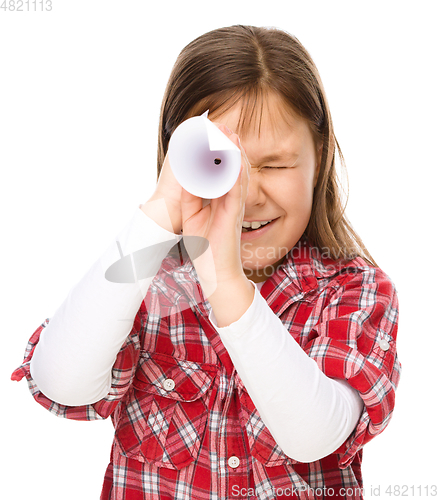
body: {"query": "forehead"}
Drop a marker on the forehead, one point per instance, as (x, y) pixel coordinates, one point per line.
(268, 124)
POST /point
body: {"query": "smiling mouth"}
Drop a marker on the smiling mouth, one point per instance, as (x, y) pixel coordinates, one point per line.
(255, 226)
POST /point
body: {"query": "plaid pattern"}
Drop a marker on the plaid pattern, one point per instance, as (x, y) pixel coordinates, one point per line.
(180, 409)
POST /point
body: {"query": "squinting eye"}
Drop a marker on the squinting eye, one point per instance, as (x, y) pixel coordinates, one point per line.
(276, 168)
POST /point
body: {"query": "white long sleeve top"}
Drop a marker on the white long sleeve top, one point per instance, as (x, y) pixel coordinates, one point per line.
(72, 363)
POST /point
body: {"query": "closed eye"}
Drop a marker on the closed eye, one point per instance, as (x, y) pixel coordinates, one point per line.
(277, 168)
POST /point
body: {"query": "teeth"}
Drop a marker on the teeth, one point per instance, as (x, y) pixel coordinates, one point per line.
(255, 224)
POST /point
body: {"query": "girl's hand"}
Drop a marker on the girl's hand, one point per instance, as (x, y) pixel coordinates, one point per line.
(169, 190)
(220, 222)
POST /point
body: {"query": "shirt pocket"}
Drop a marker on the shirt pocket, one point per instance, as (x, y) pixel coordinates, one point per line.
(165, 419)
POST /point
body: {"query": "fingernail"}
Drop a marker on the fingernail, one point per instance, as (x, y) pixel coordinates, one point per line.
(228, 130)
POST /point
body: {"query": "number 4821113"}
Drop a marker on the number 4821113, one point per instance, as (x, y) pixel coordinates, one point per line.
(412, 491)
(26, 5)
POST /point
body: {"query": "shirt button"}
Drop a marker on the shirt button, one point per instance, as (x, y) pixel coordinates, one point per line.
(233, 462)
(384, 345)
(169, 384)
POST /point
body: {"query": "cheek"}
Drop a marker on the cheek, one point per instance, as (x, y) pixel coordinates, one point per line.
(295, 192)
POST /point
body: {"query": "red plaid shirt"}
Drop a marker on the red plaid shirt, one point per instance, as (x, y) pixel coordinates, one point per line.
(181, 411)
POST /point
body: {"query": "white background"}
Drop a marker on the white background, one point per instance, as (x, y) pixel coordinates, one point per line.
(80, 94)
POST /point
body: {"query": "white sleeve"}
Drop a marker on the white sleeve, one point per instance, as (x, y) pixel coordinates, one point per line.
(72, 363)
(309, 414)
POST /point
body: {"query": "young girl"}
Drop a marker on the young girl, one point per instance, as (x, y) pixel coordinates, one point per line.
(261, 368)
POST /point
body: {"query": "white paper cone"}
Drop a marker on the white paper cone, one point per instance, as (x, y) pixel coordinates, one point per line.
(203, 159)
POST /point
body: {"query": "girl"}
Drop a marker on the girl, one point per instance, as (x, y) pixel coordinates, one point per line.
(261, 368)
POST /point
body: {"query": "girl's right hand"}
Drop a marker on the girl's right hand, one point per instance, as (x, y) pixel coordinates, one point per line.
(169, 190)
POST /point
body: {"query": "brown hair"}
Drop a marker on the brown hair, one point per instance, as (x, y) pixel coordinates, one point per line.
(226, 65)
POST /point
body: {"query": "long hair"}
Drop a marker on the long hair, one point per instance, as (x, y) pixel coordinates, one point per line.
(243, 63)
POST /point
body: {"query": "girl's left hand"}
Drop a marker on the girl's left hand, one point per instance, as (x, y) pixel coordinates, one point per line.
(220, 223)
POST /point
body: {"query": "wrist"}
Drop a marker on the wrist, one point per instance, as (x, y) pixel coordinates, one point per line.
(231, 299)
(163, 212)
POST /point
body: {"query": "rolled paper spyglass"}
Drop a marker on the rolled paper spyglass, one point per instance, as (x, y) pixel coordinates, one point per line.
(203, 159)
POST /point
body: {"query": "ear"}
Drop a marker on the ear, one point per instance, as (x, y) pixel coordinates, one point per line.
(318, 162)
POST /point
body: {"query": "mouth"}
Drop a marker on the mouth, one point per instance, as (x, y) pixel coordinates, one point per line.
(256, 227)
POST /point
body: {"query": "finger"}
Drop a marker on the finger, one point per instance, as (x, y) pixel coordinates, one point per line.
(224, 129)
(233, 137)
(235, 198)
(240, 188)
(236, 140)
(190, 205)
(246, 170)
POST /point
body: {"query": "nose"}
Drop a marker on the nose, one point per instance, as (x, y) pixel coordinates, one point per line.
(256, 194)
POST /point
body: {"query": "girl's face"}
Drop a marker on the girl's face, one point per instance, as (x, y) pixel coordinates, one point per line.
(284, 170)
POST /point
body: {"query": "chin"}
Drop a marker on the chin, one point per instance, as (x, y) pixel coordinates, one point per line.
(260, 272)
